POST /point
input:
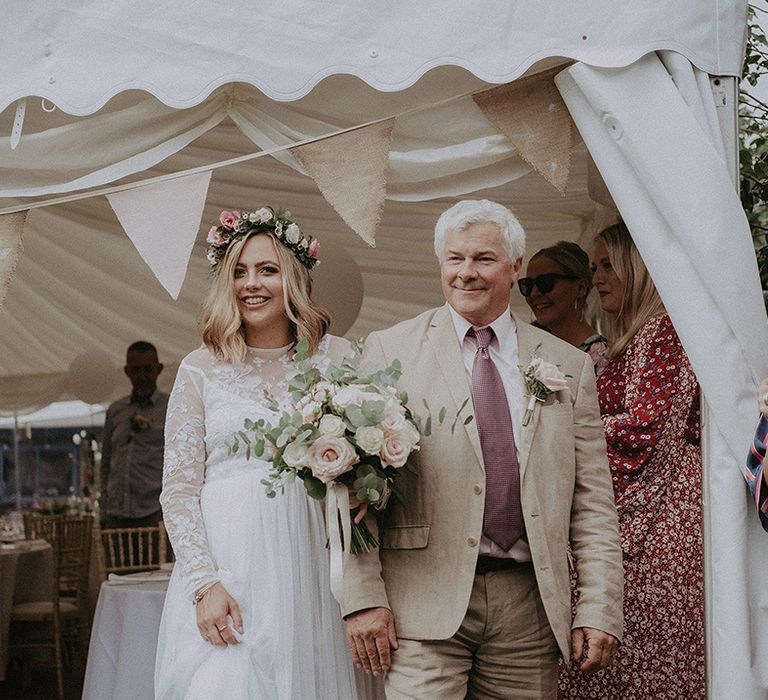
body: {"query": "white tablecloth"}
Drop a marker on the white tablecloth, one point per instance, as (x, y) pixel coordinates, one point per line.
(26, 575)
(121, 656)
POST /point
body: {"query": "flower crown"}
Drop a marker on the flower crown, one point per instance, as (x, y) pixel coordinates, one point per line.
(234, 225)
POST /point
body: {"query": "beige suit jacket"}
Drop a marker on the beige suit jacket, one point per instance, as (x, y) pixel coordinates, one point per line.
(424, 569)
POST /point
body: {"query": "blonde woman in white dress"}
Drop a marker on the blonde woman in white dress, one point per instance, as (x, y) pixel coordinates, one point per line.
(249, 613)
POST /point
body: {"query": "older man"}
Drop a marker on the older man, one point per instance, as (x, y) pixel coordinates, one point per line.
(468, 595)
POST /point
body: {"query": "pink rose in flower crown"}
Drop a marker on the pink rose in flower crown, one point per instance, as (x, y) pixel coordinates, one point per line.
(548, 374)
(314, 248)
(330, 457)
(215, 237)
(227, 219)
(394, 452)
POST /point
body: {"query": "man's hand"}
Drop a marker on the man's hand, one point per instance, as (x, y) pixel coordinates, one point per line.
(593, 648)
(371, 636)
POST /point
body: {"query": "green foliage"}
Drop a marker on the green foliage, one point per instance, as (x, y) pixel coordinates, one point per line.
(753, 138)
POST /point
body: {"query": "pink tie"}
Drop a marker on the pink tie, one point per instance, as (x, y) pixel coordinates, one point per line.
(503, 517)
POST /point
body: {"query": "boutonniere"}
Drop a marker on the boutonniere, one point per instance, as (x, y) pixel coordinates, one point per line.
(140, 423)
(541, 379)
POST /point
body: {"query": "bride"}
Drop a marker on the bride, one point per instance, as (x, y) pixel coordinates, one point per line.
(249, 612)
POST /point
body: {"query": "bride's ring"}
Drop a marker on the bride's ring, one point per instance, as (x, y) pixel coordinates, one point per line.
(222, 628)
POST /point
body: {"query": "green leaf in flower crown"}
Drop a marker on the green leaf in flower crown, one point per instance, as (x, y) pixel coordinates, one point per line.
(315, 487)
(258, 448)
(246, 439)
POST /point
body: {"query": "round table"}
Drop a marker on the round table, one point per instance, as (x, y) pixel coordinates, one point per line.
(26, 576)
(121, 655)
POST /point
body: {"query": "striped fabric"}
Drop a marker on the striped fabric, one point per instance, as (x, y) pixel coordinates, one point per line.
(754, 471)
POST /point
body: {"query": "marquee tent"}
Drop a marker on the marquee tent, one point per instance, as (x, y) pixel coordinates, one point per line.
(97, 98)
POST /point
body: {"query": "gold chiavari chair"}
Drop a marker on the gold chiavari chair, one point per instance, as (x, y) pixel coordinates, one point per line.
(66, 614)
(127, 550)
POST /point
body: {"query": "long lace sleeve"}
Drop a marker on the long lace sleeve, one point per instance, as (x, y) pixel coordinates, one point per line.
(183, 476)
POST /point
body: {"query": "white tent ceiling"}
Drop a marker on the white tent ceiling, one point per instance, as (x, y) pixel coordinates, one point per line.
(303, 69)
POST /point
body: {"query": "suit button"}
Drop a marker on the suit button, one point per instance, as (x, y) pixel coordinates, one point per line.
(471, 541)
(478, 489)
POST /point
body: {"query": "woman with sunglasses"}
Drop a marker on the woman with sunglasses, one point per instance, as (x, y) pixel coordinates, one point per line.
(557, 287)
(649, 403)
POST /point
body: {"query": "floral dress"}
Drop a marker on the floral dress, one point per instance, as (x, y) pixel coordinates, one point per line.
(649, 401)
(268, 552)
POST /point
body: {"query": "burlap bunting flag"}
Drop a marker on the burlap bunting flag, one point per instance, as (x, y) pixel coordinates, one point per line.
(531, 113)
(350, 172)
(11, 228)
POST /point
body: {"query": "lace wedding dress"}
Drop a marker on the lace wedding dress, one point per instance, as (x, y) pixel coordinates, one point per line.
(268, 553)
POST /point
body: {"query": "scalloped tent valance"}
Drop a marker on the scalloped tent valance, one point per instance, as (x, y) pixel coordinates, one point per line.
(80, 53)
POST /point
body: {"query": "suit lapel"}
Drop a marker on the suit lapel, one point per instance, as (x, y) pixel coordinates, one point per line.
(447, 351)
(526, 345)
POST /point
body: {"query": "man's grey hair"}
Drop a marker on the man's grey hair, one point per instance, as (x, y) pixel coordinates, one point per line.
(474, 211)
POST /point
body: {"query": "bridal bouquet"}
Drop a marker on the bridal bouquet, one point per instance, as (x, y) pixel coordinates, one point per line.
(342, 434)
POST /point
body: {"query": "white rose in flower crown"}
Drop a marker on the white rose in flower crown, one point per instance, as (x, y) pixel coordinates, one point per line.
(332, 426)
(394, 452)
(292, 233)
(549, 375)
(304, 244)
(330, 457)
(263, 215)
(295, 454)
(369, 439)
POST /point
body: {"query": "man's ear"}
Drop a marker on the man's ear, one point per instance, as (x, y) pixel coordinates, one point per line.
(517, 265)
(125, 369)
(160, 366)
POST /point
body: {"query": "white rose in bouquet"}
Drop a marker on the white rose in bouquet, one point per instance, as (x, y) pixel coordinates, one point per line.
(394, 452)
(310, 411)
(332, 426)
(330, 457)
(295, 454)
(393, 421)
(369, 439)
(322, 391)
(410, 434)
(353, 395)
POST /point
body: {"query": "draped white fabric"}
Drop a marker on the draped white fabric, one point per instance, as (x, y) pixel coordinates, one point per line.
(653, 132)
(79, 53)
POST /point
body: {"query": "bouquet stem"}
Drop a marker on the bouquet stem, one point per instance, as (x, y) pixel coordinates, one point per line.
(362, 539)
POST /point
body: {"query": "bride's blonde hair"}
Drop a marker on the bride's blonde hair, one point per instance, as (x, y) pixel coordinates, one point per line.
(640, 301)
(220, 324)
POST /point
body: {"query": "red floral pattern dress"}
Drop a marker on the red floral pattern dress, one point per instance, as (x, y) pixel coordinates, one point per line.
(649, 401)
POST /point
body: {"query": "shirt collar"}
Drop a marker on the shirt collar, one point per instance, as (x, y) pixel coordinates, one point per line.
(503, 327)
(150, 400)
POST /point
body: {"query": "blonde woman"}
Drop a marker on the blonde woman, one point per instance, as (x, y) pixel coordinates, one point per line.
(649, 402)
(248, 613)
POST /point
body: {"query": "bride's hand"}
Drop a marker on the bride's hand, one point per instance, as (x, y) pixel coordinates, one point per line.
(212, 612)
(354, 502)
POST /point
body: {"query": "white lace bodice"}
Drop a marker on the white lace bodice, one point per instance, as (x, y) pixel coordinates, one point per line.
(209, 402)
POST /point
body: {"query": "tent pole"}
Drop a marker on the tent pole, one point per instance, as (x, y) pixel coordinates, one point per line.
(16, 459)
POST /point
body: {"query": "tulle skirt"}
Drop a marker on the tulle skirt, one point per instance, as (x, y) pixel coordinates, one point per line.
(272, 559)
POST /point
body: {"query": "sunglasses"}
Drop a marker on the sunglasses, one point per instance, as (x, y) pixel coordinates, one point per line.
(545, 283)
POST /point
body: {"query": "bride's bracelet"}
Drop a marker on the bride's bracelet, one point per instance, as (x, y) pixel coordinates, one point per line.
(204, 591)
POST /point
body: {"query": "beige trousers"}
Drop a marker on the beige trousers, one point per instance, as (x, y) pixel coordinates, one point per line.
(504, 648)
